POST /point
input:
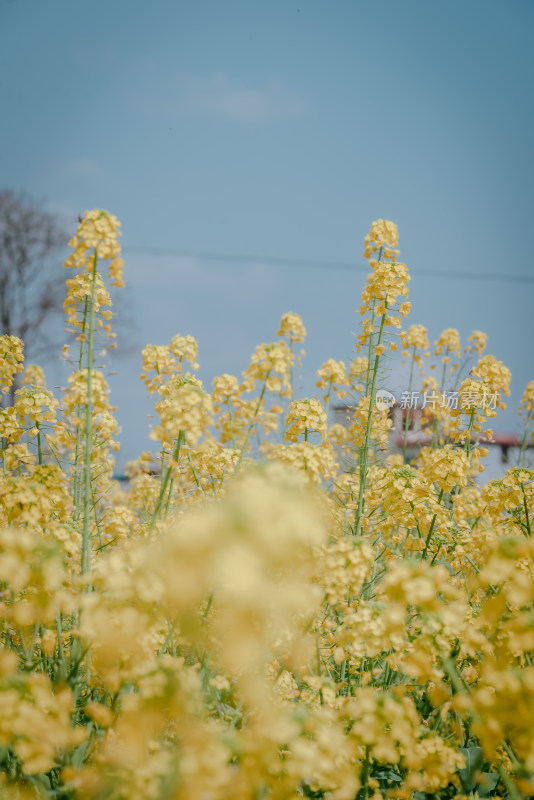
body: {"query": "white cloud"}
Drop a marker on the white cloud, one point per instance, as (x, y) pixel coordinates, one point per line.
(168, 273)
(83, 167)
(99, 55)
(161, 271)
(220, 96)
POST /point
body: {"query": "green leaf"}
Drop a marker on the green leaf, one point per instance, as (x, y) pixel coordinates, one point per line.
(386, 774)
(473, 764)
(78, 756)
(487, 783)
(41, 782)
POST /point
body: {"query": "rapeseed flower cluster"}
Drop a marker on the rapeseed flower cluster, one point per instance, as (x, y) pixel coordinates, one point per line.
(97, 238)
(292, 326)
(332, 378)
(11, 360)
(413, 340)
(305, 417)
(270, 365)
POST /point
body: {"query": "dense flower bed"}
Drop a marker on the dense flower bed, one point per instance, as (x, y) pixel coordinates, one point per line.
(277, 608)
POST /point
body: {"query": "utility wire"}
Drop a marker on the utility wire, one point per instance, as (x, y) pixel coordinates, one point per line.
(332, 265)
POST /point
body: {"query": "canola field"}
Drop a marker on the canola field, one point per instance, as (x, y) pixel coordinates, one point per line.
(276, 607)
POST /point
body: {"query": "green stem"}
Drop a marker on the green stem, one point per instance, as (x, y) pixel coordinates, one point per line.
(61, 658)
(469, 428)
(527, 516)
(252, 423)
(86, 540)
(76, 481)
(163, 469)
(169, 495)
(365, 774)
(459, 685)
(195, 476)
(39, 450)
(175, 457)
(512, 789)
(370, 348)
(407, 420)
(435, 436)
(524, 441)
(370, 351)
(431, 530)
(327, 401)
(364, 452)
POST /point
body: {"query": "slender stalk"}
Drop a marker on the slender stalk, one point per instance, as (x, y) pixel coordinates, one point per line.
(370, 351)
(365, 790)
(61, 657)
(327, 401)
(511, 788)
(469, 429)
(195, 475)
(459, 685)
(364, 452)
(370, 347)
(527, 516)
(524, 441)
(252, 423)
(175, 458)
(86, 540)
(76, 490)
(163, 469)
(39, 450)
(169, 495)
(408, 418)
(441, 391)
(431, 529)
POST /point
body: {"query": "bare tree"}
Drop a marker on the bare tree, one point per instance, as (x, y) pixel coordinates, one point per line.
(31, 280)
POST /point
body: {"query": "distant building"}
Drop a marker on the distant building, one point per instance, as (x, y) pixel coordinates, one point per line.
(408, 435)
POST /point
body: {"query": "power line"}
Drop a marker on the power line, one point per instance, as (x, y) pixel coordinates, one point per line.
(331, 265)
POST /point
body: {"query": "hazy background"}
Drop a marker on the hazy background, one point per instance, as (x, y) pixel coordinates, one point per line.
(277, 131)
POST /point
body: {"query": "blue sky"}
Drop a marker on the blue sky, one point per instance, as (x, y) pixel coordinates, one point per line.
(280, 129)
